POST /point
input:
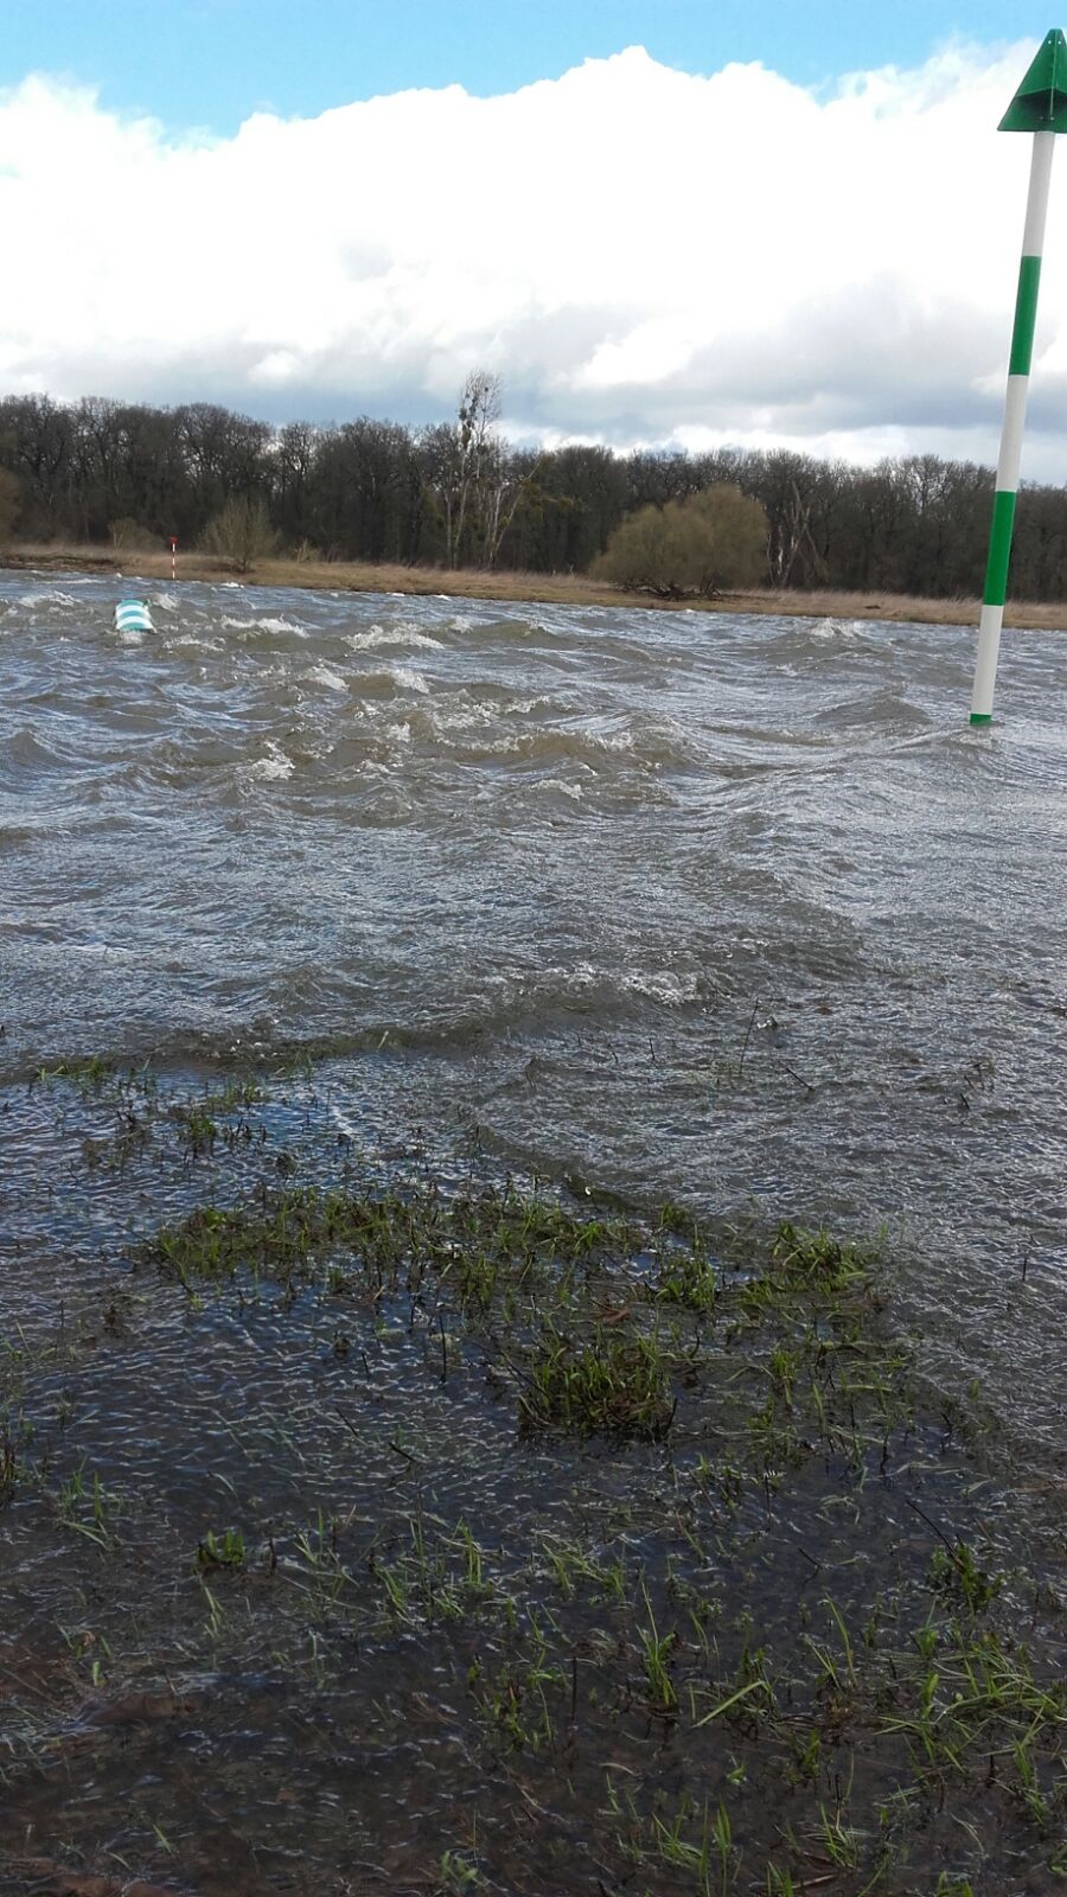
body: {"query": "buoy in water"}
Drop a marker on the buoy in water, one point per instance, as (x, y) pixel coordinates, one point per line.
(132, 615)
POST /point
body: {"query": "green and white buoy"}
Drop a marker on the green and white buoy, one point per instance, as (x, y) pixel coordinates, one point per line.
(1040, 107)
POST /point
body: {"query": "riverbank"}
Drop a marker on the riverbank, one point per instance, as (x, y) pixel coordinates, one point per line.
(552, 589)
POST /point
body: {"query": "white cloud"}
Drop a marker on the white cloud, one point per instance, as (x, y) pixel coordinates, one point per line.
(642, 254)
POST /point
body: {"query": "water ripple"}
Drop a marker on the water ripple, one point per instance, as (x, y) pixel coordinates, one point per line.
(714, 906)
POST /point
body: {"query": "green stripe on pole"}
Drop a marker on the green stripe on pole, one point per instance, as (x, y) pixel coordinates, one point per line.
(1022, 335)
(996, 573)
(1039, 107)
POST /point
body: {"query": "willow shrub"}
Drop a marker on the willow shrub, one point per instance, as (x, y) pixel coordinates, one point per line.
(711, 541)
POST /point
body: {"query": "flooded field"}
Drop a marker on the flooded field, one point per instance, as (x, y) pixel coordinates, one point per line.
(533, 1252)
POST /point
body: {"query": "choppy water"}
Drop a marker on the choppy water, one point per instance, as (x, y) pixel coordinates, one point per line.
(734, 910)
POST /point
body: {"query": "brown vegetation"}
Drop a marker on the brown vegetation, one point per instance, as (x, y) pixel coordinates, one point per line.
(560, 589)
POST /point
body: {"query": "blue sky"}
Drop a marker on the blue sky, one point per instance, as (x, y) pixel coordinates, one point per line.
(691, 223)
(212, 62)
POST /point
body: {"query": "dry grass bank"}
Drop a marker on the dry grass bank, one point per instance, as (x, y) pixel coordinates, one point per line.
(546, 588)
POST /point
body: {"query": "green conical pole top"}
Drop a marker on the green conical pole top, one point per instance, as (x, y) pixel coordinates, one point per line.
(1040, 105)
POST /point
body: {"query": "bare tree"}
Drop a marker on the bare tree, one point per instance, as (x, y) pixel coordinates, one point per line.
(472, 476)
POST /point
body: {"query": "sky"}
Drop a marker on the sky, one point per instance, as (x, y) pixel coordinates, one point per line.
(676, 223)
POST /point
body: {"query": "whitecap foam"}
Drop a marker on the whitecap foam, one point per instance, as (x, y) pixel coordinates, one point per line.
(285, 627)
(181, 641)
(522, 707)
(322, 675)
(616, 741)
(281, 624)
(413, 681)
(666, 985)
(847, 629)
(401, 635)
(276, 764)
(663, 984)
(455, 714)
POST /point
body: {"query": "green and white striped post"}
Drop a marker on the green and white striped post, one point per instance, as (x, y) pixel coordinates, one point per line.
(1040, 107)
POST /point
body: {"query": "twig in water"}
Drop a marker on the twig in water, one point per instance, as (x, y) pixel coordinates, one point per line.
(931, 1524)
(349, 1425)
(748, 1033)
(808, 1085)
(398, 1451)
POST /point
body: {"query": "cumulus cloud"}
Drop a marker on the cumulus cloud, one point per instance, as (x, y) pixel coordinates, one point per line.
(643, 255)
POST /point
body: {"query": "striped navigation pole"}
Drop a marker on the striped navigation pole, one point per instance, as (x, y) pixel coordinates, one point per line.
(1040, 107)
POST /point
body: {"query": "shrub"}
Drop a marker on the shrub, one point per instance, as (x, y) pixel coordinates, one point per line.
(130, 535)
(712, 540)
(241, 533)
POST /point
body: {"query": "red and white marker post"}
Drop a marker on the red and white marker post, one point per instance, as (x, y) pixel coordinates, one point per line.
(173, 557)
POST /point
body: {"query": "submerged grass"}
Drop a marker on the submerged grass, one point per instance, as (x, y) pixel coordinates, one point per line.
(608, 1384)
(561, 1550)
(599, 1324)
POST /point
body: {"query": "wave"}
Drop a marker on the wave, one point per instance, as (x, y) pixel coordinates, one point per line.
(410, 680)
(404, 634)
(48, 596)
(465, 733)
(829, 641)
(26, 751)
(840, 631)
(275, 765)
(885, 709)
(276, 625)
(325, 675)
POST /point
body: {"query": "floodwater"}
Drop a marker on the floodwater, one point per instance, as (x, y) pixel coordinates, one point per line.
(736, 910)
(732, 911)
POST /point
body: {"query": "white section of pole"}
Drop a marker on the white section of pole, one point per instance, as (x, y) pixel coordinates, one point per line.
(985, 671)
(1011, 434)
(1011, 438)
(1037, 195)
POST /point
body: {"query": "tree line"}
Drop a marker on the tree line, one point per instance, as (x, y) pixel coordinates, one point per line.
(457, 494)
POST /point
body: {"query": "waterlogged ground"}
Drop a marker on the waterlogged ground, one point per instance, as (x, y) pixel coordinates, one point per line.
(372, 1522)
(457, 1430)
